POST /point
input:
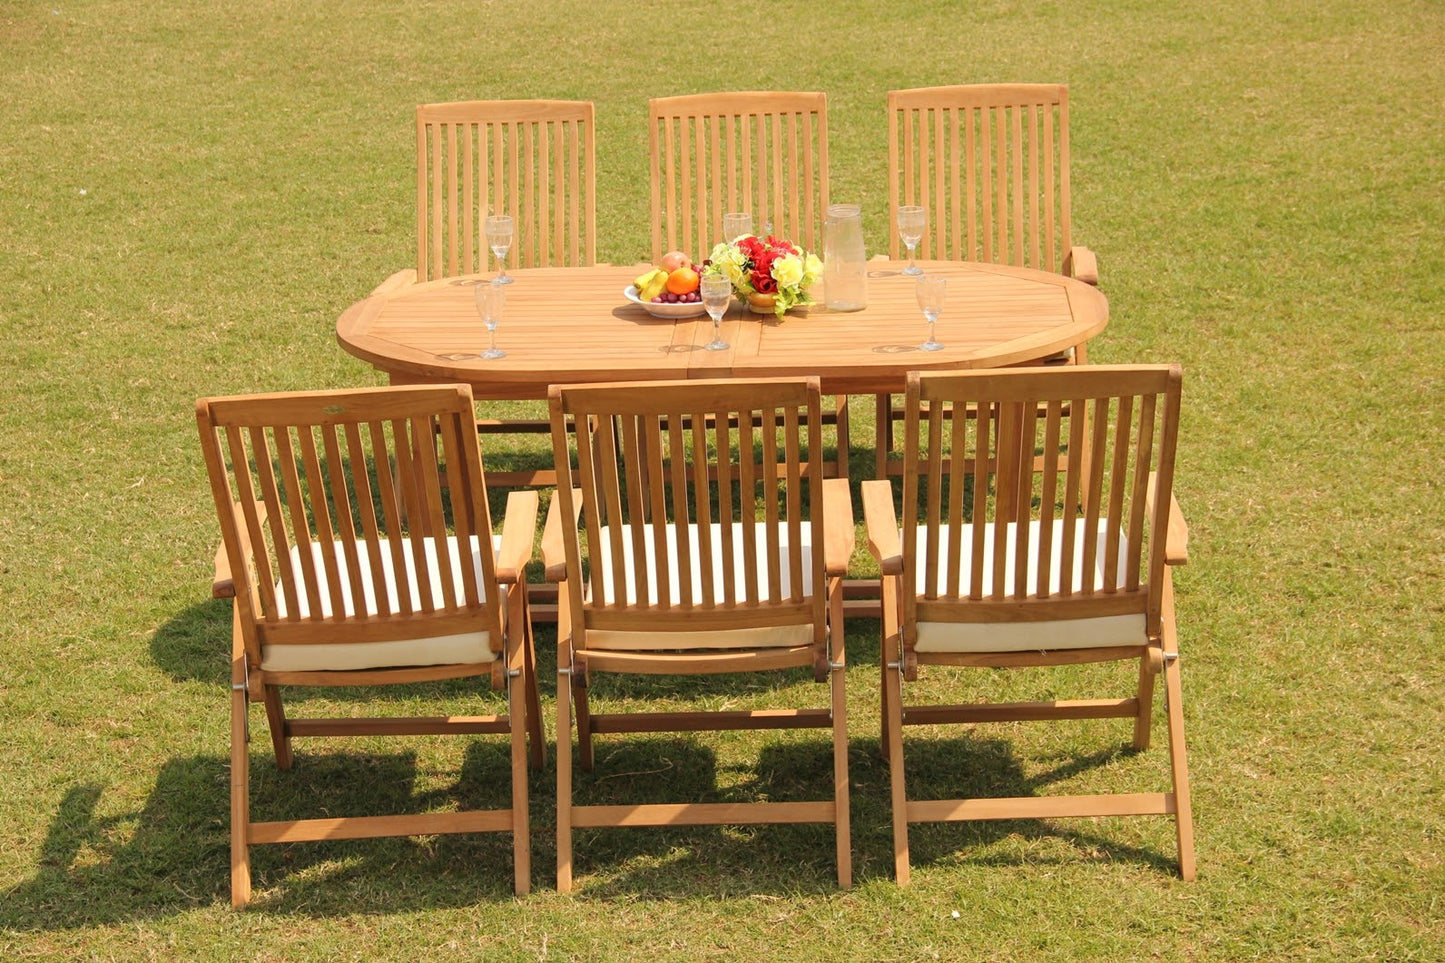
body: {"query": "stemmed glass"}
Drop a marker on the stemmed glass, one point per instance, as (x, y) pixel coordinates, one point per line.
(931, 288)
(736, 225)
(499, 239)
(716, 293)
(912, 219)
(490, 297)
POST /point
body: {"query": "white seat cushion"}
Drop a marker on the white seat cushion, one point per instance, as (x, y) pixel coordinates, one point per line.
(466, 647)
(1083, 633)
(755, 637)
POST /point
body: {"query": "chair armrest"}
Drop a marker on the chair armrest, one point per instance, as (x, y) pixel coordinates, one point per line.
(222, 586)
(1176, 534)
(519, 528)
(839, 536)
(554, 546)
(400, 279)
(1080, 263)
(881, 523)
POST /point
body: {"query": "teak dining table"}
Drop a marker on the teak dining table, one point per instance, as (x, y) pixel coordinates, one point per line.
(573, 324)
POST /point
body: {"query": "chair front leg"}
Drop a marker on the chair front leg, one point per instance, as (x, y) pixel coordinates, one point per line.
(240, 782)
(1178, 764)
(837, 681)
(1144, 719)
(892, 659)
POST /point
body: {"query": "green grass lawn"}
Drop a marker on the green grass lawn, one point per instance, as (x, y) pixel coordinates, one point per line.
(191, 193)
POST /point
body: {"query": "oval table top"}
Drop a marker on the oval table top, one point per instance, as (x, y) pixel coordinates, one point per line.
(571, 325)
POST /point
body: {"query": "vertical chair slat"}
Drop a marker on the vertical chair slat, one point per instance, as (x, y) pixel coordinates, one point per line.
(1023, 498)
(794, 496)
(1050, 198)
(290, 495)
(391, 508)
(430, 490)
(725, 506)
(588, 480)
(632, 525)
(1094, 493)
(1048, 498)
(747, 498)
(983, 430)
(356, 454)
(703, 506)
(933, 512)
(1075, 486)
(341, 491)
(1143, 452)
(957, 474)
(610, 498)
(769, 482)
(462, 476)
(324, 540)
(246, 496)
(1118, 483)
(655, 487)
(686, 537)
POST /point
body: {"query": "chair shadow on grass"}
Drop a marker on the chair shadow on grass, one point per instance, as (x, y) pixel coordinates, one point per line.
(172, 854)
(970, 766)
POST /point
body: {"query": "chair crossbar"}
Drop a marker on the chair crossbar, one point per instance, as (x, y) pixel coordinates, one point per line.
(373, 827)
(1040, 807)
(1022, 711)
(604, 722)
(421, 726)
(703, 814)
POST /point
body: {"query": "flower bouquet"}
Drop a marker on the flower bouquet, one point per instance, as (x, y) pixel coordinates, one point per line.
(765, 268)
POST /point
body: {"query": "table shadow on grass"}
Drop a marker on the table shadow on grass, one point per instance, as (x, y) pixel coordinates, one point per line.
(172, 854)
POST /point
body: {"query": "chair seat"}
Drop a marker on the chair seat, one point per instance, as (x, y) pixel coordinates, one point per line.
(1017, 636)
(754, 637)
(466, 647)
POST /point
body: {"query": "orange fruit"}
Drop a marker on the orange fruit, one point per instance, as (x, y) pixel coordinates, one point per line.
(683, 281)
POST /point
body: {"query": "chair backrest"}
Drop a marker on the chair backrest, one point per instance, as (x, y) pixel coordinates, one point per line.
(762, 152)
(715, 484)
(532, 159)
(990, 163)
(323, 490)
(1081, 537)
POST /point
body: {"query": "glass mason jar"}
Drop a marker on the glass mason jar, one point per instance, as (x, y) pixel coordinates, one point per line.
(845, 262)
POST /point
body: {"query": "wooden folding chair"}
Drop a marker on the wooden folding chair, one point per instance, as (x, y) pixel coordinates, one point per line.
(349, 566)
(532, 159)
(1011, 567)
(990, 164)
(761, 152)
(709, 548)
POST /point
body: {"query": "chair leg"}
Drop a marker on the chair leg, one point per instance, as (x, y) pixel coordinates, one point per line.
(883, 439)
(842, 814)
(564, 775)
(842, 435)
(529, 673)
(1178, 764)
(893, 729)
(585, 758)
(1143, 722)
(518, 685)
(240, 800)
(276, 719)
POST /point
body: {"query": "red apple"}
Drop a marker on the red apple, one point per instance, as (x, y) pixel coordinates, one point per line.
(673, 260)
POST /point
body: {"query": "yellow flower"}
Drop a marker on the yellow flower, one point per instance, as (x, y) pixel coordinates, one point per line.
(788, 270)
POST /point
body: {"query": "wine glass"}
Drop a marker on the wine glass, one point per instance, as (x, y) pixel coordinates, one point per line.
(499, 239)
(912, 220)
(490, 297)
(736, 224)
(931, 288)
(716, 293)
